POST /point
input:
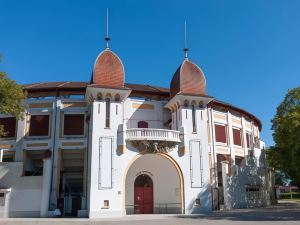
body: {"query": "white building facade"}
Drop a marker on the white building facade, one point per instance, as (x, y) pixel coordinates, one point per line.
(107, 148)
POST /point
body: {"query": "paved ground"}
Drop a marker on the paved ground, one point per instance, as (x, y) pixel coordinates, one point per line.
(283, 213)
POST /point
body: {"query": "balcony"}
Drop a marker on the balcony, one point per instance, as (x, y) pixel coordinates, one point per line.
(149, 134)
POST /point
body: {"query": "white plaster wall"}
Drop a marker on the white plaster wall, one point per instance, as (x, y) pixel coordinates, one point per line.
(235, 194)
(154, 118)
(166, 183)
(24, 200)
(193, 193)
(114, 194)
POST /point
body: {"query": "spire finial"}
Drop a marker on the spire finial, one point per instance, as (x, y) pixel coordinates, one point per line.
(107, 37)
(185, 42)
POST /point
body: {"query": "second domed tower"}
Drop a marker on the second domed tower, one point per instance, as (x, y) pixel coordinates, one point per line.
(188, 79)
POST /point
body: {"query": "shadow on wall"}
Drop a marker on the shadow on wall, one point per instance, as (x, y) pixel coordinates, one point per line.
(205, 205)
(247, 186)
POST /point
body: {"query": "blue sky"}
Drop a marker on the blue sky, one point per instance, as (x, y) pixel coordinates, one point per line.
(248, 50)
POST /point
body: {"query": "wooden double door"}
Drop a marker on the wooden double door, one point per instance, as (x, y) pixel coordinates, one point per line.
(143, 195)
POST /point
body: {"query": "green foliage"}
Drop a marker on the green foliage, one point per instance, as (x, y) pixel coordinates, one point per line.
(285, 155)
(288, 195)
(11, 98)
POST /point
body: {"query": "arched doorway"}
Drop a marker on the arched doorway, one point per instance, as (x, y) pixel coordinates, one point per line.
(167, 183)
(143, 195)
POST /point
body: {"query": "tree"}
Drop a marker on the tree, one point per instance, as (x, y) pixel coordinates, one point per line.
(285, 155)
(12, 98)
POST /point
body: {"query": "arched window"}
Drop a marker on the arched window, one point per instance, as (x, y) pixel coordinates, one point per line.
(142, 124)
(107, 115)
(143, 181)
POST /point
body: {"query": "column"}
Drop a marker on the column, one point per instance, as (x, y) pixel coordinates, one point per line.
(47, 167)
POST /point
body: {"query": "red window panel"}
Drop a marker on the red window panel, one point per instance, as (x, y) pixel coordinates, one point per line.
(237, 137)
(74, 124)
(220, 131)
(39, 125)
(248, 140)
(9, 126)
(142, 124)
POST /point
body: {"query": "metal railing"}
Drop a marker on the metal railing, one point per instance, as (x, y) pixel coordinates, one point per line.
(158, 208)
(137, 134)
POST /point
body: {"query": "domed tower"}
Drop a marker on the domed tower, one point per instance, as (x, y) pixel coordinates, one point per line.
(106, 95)
(187, 104)
(188, 79)
(108, 68)
(188, 98)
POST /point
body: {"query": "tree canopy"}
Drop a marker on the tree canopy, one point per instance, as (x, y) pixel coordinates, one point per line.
(12, 98)
(285, 155)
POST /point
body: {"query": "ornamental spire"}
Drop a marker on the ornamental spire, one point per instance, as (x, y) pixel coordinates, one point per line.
(185, 42)
(107, 39)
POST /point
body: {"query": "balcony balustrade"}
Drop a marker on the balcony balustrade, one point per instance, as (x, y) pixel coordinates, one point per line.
(149, 134)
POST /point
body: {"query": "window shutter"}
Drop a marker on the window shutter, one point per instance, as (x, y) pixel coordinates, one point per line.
(220, 132)
(39, 125)
(74, 124)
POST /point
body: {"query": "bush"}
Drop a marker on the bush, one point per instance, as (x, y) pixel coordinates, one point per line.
(287, 195)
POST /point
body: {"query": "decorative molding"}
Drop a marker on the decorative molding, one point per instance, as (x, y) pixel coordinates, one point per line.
(142, 106)
(32, 145)
(40, 105)
(74, 104)
(153, 146)
(72, 144)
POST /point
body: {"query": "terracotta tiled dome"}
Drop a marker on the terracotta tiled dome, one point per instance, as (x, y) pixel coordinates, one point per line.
(188, 79)
(108, 70)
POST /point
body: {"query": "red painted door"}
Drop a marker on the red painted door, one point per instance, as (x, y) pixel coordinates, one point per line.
(143, 200)
(143, 195)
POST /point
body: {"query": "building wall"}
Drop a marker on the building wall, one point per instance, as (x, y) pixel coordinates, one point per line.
(24, 199)
(107, 146)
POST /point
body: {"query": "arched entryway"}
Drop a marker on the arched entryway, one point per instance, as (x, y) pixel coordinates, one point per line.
(155, 177)
(143, 195)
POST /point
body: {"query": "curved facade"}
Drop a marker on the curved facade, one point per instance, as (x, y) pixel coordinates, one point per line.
(106, 148)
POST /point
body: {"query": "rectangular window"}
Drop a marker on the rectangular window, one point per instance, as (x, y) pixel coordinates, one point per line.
(237, 140)
(248, 140)
(239, 161)
(39, 125)
(220, 132)
(256, 142)
(176, 122)
(73, 124)
(194, 118)
(107, 116)
(9, 126)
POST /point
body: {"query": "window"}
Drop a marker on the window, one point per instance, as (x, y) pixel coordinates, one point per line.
(256, 142)
(239, 161)
(237, 136)
(9, 126)
(142, 124)
(220, 132)
(249, 140)
(107, 116)
(73, 124)
(194, 118)
(8, 156)
(176, 118)
(39, 125)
